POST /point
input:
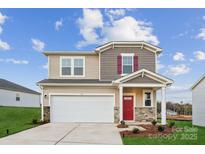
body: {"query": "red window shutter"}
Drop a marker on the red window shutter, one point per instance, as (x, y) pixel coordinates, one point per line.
(119, 64)
(136, 63)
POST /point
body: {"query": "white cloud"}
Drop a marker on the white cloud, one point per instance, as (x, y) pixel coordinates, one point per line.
(45, 66)
(177, 88)
(124, 29)
(92, 20)
(159, 65)
(4, 45)
(2, 18)
(203, 17)
(37, 44)
(14, 61)
(179, 56)
(178, 69)
(58, 24)
(130, 29)
(115, 13)
(199, 55)
(2, 21)
(201, 34)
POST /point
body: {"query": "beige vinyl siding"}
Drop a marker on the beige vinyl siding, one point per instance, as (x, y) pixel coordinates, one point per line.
(138, 92)
(108, 61)
(81, 90)
(91, 67)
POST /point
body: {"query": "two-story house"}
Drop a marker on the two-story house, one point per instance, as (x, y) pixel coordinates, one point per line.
(117, 81)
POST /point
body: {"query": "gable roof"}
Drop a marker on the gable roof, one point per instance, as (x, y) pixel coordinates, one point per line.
(140, 44)
(7, 85)
(198, 81)
(147, 73)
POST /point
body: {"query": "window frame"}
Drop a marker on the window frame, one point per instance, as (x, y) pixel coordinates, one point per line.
(127, 55)
(72, 65)
(67, 67)
(151, 97)
(18, 96)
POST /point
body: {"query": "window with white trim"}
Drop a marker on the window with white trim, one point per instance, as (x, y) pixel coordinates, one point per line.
(127, 63)
(147, 98)
(78, 66)
(17, 97)
(66, 66)
(72, 66)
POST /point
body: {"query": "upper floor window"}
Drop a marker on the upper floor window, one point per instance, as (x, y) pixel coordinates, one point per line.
(127, 63)
(72, 66)
(66, 66)
(78, 66)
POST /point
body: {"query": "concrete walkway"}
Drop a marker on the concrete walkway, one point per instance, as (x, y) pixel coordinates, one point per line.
(65, 134)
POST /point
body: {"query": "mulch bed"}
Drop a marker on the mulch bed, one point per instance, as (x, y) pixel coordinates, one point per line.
(150, 131)
(122, 126)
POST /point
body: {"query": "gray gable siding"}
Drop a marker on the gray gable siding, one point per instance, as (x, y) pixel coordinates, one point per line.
(108, 61)
(141, 79)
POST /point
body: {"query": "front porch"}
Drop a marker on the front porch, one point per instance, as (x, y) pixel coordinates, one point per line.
(138, 97)
(139, 104)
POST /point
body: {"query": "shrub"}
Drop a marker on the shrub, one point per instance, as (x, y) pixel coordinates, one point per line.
(122, 122)
(135, 131)
(34, 121)
(161, 128)
(171, 124)
(154, 122)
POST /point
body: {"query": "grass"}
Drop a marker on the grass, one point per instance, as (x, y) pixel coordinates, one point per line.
(191, 135)
(17, 119)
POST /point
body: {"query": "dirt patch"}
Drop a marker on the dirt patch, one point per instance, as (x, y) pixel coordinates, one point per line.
(180, 117)
(150, 131)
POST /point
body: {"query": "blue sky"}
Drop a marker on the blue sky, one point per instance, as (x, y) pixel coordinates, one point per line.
(25, 33)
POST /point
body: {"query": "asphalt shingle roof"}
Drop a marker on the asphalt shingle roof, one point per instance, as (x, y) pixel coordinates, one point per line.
(73, 81)
(7, 85)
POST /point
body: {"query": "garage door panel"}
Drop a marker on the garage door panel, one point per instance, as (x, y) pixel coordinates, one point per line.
(82, 108)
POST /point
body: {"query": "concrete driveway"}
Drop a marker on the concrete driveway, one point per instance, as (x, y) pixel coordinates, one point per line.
(65, 134)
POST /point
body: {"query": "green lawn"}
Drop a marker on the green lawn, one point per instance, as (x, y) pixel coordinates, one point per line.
(17, 119)
(189, 136)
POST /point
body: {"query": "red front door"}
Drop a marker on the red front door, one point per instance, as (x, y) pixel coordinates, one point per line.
(127, 107)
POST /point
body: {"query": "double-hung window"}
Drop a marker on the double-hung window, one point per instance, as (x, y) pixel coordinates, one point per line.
(66, 66)
(148, 98)
(78, 66)
(127, 63)
(72, 66)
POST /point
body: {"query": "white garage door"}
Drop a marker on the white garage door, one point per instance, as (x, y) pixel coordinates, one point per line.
(86, 108)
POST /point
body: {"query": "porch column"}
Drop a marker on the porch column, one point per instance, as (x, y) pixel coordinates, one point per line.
(163, 106)
(121, 106)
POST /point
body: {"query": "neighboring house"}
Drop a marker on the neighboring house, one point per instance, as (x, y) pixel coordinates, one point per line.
(117, 81)
(198, 102)
(171, 113)
(12, 94)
